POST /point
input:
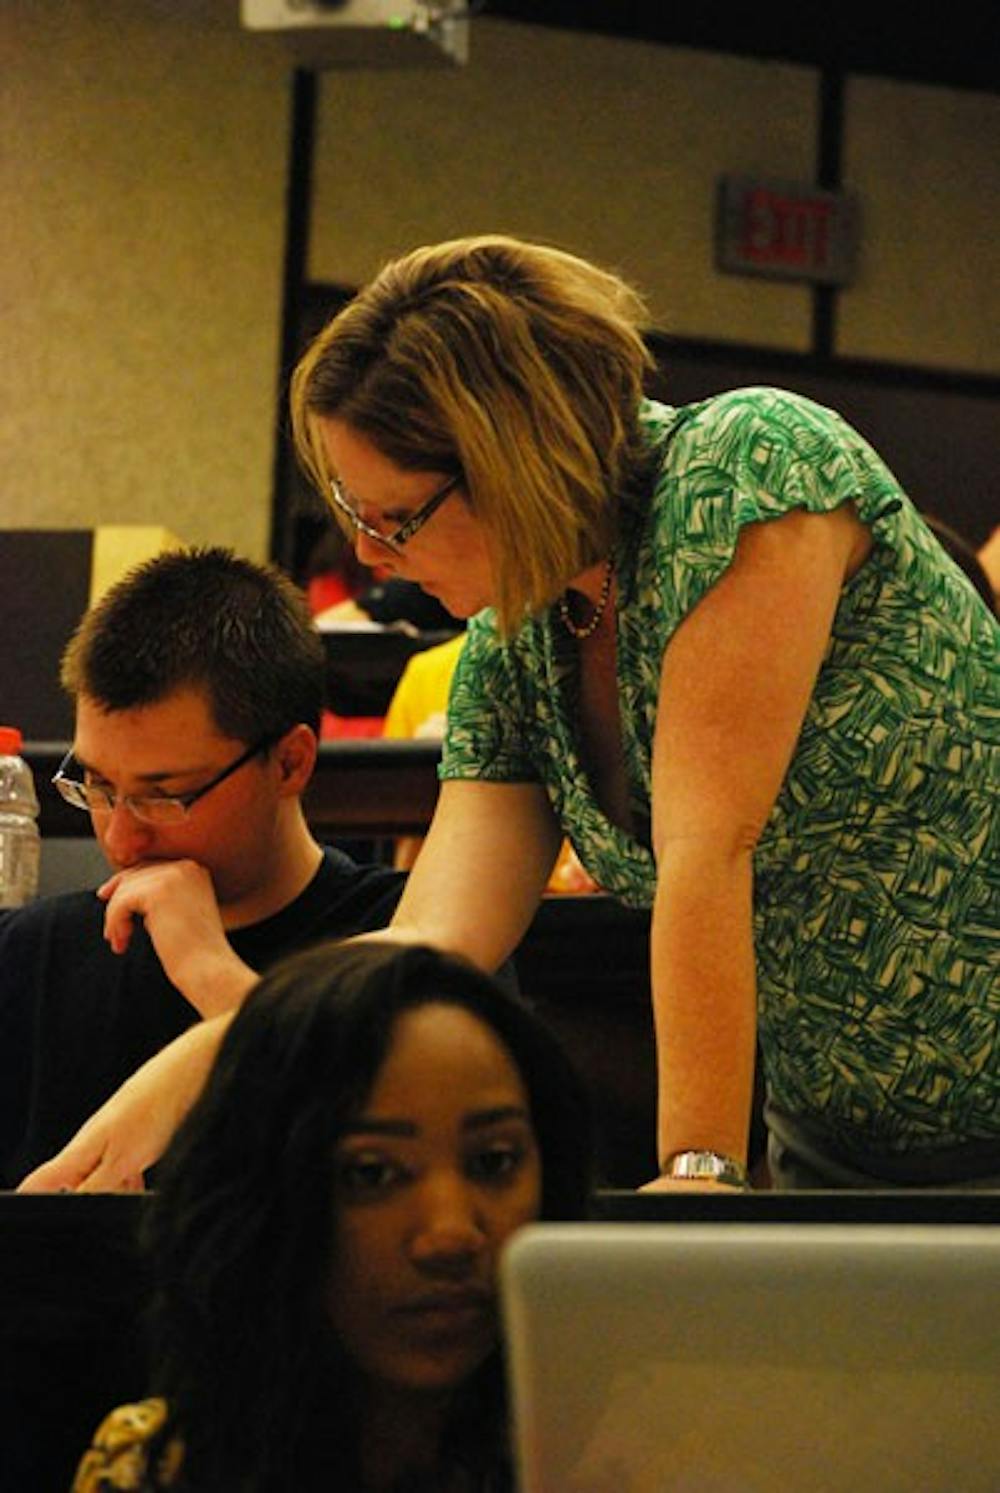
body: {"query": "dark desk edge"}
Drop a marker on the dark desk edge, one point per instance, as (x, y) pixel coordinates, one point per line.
(21, 1212)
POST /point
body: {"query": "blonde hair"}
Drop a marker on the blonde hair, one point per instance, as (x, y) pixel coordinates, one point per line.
(518, 365)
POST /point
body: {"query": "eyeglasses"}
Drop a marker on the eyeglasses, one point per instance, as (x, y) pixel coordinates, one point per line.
(406, 531)
(166, 808)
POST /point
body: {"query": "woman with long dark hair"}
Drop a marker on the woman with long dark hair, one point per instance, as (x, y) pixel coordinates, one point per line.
(325, 1234)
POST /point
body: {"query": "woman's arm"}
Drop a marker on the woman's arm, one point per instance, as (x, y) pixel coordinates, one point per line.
(736, 682)
(133, 1128)
(480, 872)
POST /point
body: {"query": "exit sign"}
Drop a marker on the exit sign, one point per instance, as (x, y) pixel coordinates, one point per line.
(785, 230)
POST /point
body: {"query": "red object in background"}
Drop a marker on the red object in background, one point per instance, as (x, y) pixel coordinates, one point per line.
(333, 726)
(330, 586)
(327, 590)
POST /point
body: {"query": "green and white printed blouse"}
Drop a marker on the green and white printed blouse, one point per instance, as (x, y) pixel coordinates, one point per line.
(876, 884)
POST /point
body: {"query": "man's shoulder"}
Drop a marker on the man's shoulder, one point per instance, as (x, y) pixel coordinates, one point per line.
(344, 897)
(352, 890)
(56, 943)
(76, 911)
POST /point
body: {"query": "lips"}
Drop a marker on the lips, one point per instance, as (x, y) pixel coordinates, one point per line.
(447, 1311)
(445, 1298)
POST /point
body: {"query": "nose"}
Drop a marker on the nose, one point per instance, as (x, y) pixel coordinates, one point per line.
(370, 552)
(124, 838)
(449, 1228)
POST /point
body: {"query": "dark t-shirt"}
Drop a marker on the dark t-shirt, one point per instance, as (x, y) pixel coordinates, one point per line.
(76, 1020)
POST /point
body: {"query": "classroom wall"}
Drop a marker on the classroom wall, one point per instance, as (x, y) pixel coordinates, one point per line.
(612, 147)
(926, 164)
(143, 148)
(144, 168)
(607, 146)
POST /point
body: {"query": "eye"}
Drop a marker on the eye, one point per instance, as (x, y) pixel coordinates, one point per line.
(367, 1175)
(496, 1162)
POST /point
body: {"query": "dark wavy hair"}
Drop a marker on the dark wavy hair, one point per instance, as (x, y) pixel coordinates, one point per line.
(240, 1228)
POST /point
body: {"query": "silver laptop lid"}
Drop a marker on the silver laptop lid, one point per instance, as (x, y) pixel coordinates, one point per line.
(753, 1358)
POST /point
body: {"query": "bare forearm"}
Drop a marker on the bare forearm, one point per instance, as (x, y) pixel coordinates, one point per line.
(480, 873)
(214, 981)
(704, 998)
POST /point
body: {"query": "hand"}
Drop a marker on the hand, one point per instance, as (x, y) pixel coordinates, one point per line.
(110, 1152)
(176, 900)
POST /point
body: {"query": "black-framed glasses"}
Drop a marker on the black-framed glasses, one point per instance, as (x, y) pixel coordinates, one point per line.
(158, 808)
(396, 540)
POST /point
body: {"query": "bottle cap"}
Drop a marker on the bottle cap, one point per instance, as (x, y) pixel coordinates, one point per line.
(10, 741)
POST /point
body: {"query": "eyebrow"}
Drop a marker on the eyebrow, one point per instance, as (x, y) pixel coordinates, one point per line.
(142, 777)
(401, 508)
(479, 1119)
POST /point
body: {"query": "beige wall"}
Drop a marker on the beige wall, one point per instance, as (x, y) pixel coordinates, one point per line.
(142, 163)
(613, 147)
(926, 163)
(609, 147)
(143, 169)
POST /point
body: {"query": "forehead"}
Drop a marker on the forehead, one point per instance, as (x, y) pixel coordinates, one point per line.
(358, 463)
(442, 1060)
(180, 725)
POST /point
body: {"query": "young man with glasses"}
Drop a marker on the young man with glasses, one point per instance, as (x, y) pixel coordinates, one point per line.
(198, 685)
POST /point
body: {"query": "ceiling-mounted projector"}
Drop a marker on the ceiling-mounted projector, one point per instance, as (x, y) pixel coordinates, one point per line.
(366, 33)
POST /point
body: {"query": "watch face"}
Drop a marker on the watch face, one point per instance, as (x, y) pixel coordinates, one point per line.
(706, 1165)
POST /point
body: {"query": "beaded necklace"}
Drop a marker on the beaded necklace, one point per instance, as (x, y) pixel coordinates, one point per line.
(588, 628)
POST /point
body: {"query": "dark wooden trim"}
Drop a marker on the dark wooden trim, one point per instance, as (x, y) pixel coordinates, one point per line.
(858, 371)
(828, 168)
(373, 787)
(935, 46)
(298, 215)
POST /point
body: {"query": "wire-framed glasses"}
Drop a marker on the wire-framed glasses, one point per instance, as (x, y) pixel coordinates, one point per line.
(395, 540)
(152, 808)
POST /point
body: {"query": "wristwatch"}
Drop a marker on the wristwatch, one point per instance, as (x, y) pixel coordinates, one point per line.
(705, 1166)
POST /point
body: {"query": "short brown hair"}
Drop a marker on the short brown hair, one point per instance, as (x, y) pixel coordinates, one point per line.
(519, 366)
(208, 619)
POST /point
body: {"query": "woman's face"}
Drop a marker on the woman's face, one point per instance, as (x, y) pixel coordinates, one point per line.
(447, 557)
(431, 1178)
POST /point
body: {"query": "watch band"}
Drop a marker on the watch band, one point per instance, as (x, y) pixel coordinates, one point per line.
(706, 1166)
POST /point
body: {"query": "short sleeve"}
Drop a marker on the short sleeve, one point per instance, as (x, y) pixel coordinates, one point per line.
(750, 456)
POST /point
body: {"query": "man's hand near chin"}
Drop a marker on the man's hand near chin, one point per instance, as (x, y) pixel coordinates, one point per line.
(177, 903)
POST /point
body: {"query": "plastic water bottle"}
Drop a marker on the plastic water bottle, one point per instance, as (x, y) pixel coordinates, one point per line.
(19, 840)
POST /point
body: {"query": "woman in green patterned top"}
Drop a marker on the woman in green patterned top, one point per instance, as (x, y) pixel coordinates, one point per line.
(718, 647)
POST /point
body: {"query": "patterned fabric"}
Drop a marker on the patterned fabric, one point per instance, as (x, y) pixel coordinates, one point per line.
(123, 1455)
(877, 896)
